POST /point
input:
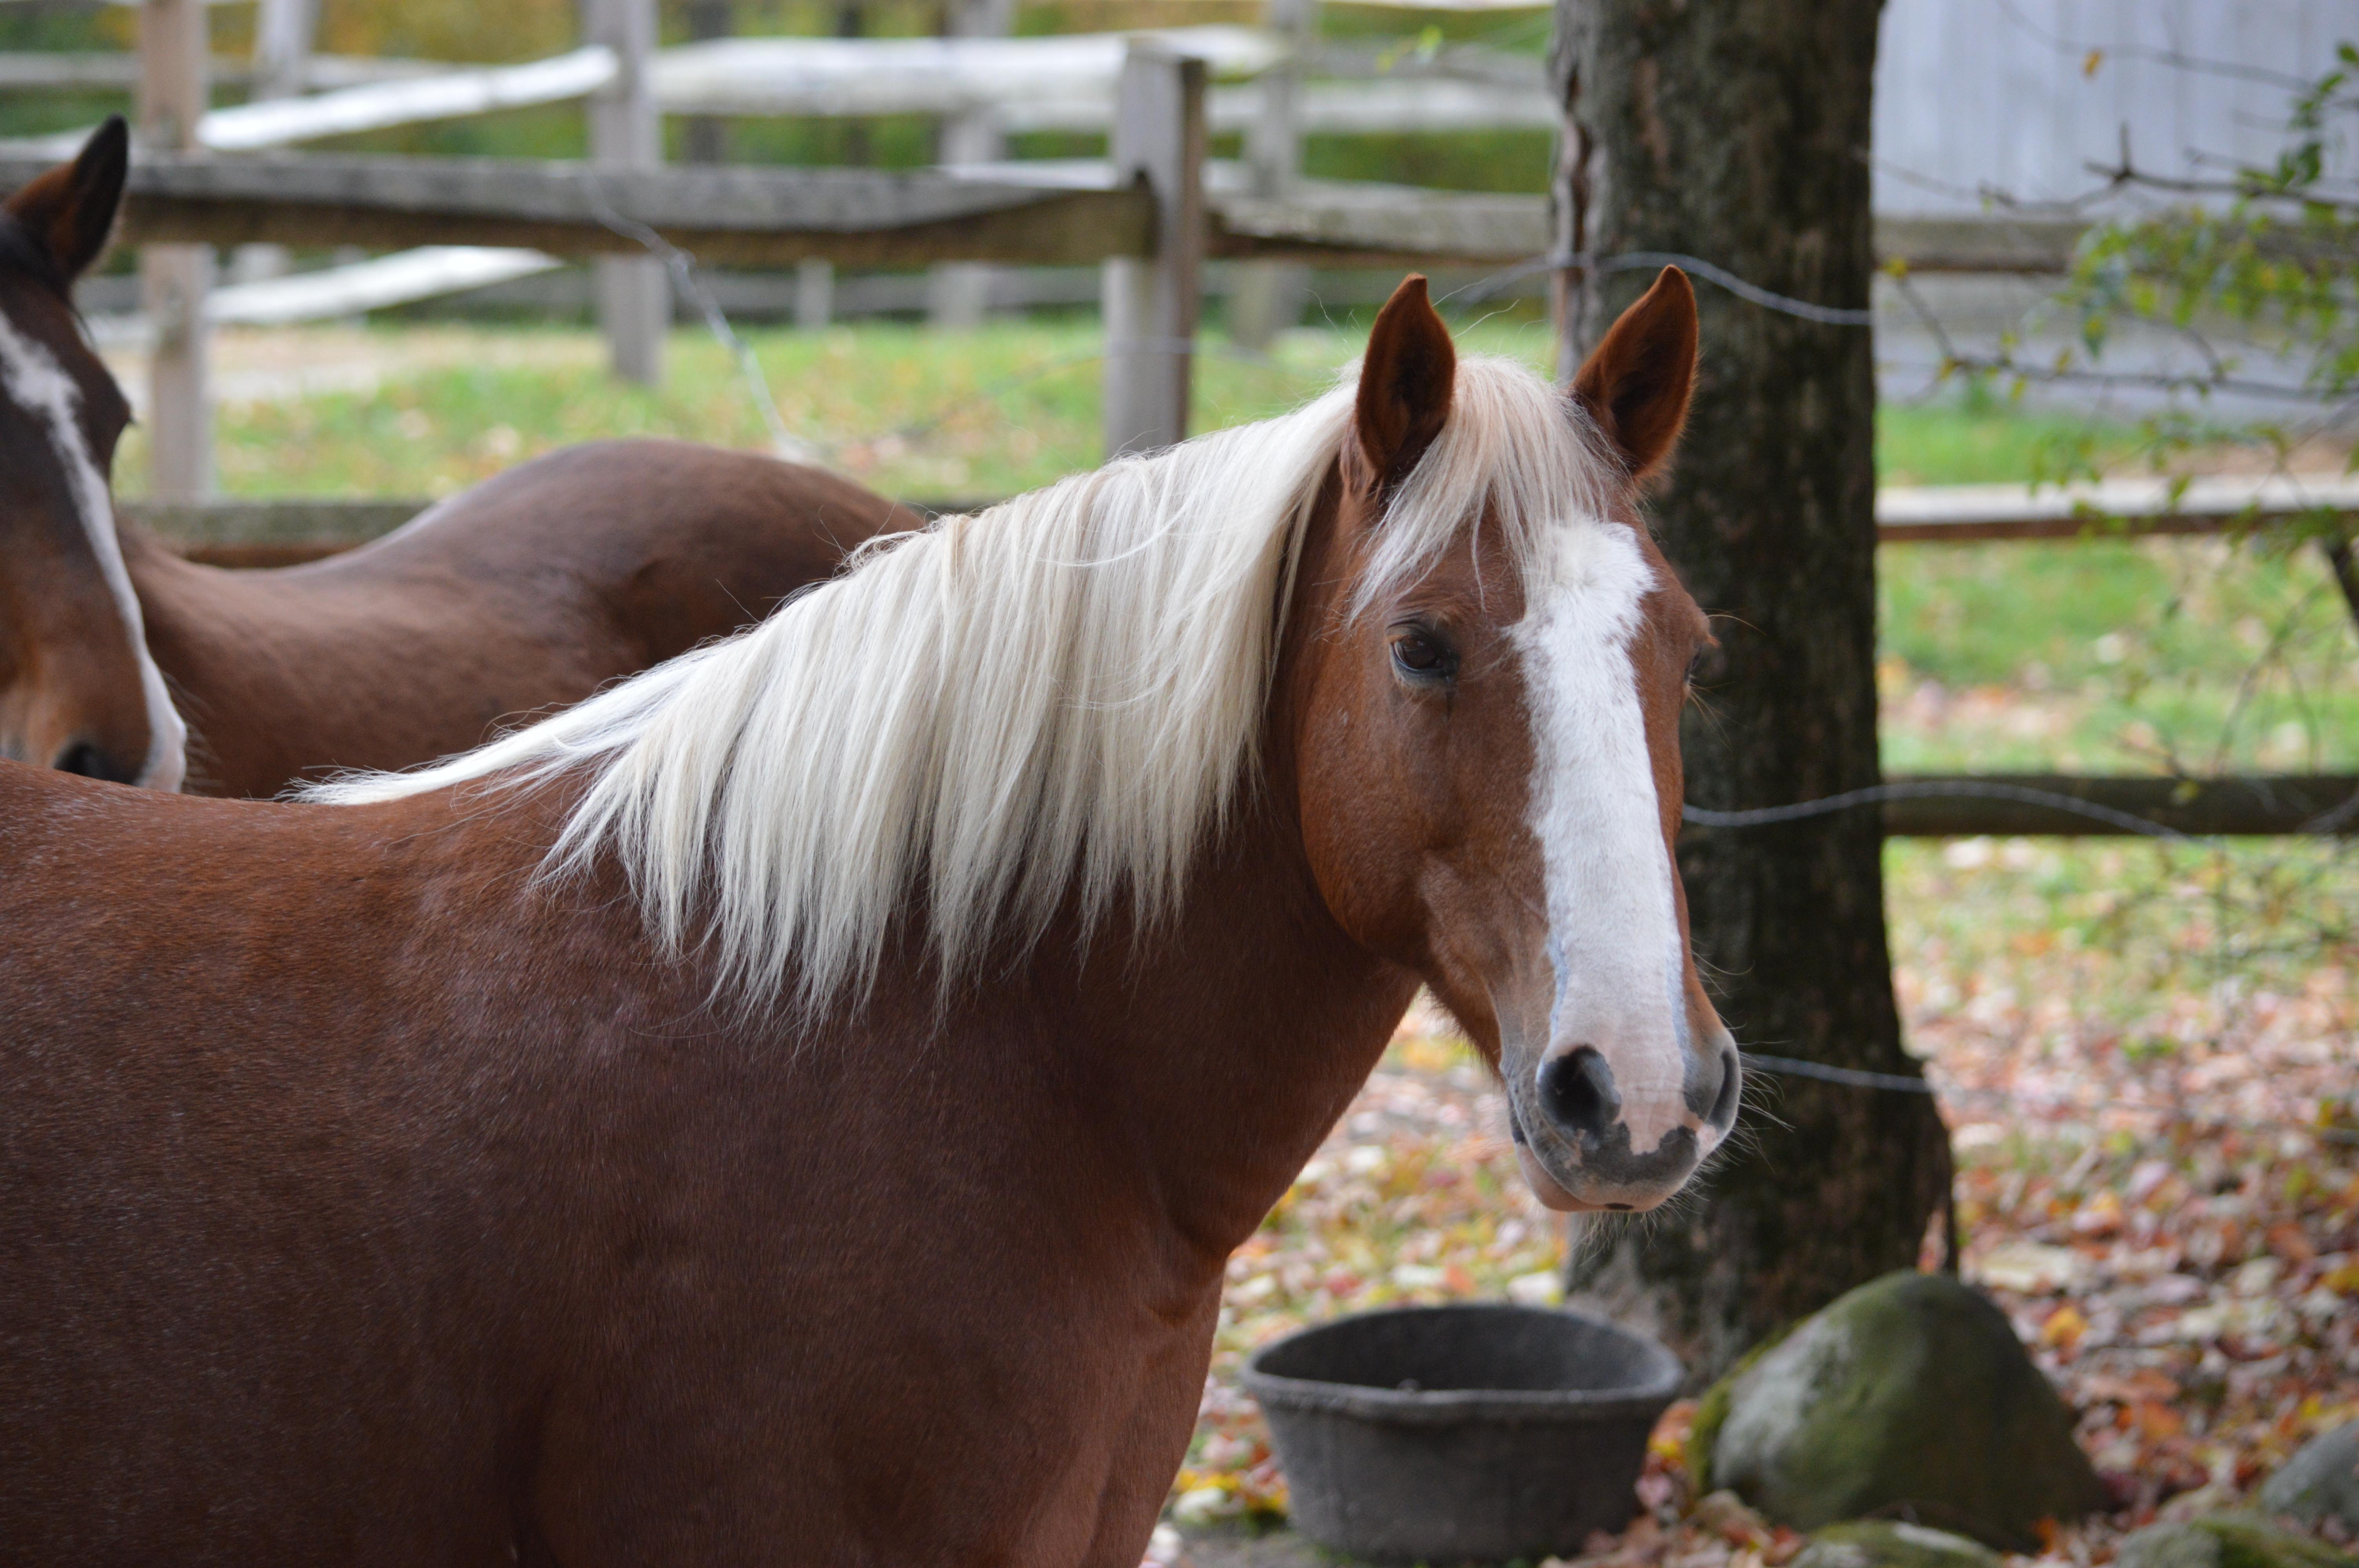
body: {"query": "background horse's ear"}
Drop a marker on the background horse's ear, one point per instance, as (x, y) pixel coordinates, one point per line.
(1405, 384)
(1635, 384)
(71, 209)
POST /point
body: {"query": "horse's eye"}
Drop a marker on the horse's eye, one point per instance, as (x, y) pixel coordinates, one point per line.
(1422, 655)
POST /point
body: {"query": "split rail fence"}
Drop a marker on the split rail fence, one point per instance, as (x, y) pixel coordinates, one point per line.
(210, 177)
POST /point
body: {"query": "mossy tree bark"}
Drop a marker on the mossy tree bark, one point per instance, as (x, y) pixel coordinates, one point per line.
(1738, 131)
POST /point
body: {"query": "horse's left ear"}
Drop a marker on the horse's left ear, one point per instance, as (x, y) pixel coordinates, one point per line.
(1405, 384)
(1635, 384)
(70, 209)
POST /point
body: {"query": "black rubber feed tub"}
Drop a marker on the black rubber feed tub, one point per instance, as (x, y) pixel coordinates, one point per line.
(1458, 1434)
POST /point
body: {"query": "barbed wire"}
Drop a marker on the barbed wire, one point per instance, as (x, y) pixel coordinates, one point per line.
(1904, 1083)
(686, 275)
(2025, 795)
(682, 267)
(1631, 261)
(1849, 1077)
(2217, 378)
(1875, 795)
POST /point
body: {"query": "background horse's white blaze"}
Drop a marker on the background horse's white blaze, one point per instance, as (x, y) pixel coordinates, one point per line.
(1613, 945)
(31, 378)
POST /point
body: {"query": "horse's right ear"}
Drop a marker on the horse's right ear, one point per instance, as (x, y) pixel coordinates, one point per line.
(1405, 379)
(1635, 384)
(70, 209)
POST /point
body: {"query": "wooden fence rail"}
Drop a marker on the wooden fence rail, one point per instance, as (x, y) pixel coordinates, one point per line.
(746, 216)
(2268, 805)
(1965, 514)
(730, 216)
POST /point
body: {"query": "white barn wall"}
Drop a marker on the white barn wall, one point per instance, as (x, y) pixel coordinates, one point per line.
(1970, 96)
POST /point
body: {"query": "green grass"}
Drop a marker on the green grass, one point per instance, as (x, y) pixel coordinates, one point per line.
(2195, 654)
(1955, 441)
(2156, 939)
(2094, 656)
(2099, 654)
(902, 407)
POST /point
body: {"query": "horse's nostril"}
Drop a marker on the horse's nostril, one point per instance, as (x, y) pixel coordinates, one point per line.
(1722, 1115)
(1578, 1093)
(81, 757)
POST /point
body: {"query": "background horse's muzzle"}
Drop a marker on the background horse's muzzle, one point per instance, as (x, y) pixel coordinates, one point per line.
(92, 761)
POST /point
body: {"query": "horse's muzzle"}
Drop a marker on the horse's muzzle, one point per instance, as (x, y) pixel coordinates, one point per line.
(1577, 1138)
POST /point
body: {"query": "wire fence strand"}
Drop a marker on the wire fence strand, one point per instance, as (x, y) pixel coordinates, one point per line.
(1482, 288)
(1912, 1084)
(1876, 795)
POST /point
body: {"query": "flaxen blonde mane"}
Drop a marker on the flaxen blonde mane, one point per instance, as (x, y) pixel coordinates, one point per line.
(1055, 700)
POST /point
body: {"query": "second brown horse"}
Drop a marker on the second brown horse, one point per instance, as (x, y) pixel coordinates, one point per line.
(121, 660)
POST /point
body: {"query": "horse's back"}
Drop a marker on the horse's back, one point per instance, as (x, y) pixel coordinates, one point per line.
(523, 594)
(680, 542)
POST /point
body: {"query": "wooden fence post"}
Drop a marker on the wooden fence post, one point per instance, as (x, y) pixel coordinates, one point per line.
(814, 294)
(707, 136)
(284, 31)
(626, 132)
(959, 293)
(1151, 303)
(175, 280)
(1266, 297)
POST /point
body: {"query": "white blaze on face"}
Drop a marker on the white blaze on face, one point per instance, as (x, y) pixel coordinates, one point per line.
(31, 378)
(1614, 934)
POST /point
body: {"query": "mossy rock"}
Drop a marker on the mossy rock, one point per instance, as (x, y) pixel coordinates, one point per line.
(2320, 1481)
(1909, 1395)
(1888, 1543)
(1703, 1430)
(2227, 1540)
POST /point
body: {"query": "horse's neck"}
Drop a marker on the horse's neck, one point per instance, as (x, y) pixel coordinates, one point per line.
(168, 587)
(1243, 1032)
(1259, 1019)
(156, 568)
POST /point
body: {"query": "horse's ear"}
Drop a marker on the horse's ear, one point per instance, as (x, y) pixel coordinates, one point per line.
(1635, 384)
(71, 209)
(1405, 384)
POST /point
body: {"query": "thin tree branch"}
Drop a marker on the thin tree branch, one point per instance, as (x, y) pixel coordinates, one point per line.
(2124, 173)
(2172, 58)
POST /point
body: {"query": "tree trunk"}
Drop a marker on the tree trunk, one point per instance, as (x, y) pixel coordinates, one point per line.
(1737, 132)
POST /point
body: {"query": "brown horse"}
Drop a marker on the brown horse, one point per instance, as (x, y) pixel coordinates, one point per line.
(121, 660)
(796, 1105)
